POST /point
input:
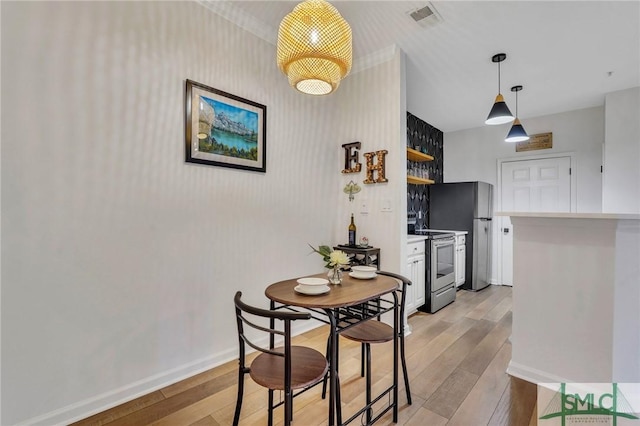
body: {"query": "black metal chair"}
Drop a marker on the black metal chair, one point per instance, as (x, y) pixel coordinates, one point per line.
(374, 331)
(273, 367)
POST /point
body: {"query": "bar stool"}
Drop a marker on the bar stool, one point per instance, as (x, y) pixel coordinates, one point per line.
(372, 331)
(285, 368)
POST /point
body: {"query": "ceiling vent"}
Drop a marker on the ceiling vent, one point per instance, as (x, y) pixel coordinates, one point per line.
(426, 15)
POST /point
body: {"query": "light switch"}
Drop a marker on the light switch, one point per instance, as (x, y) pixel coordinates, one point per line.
(364, 207)
(386, 205)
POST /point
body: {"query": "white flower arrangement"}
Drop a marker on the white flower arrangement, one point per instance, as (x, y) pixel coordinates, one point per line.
(334, 258)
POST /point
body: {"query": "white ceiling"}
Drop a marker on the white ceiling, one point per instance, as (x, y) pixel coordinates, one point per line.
(566, 54)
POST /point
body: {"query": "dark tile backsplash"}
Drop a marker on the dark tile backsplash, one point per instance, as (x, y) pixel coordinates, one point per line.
(423, 137)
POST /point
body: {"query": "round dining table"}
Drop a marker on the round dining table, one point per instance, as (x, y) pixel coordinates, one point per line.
(350, 293)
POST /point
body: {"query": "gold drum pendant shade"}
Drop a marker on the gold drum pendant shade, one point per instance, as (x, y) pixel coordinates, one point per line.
(314, 47)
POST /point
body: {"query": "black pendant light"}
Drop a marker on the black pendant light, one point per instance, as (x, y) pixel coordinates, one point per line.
(500, 113)
(517, 132)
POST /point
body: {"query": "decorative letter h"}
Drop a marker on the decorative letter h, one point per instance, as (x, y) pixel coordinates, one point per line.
(379, 167)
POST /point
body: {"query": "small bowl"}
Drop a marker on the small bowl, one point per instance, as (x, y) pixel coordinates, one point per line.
(364, 270)
(312, 281)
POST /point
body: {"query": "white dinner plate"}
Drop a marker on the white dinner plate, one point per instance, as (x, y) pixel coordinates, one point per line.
(365, 270)
(362, 276)
(312, 291)
(310, 281)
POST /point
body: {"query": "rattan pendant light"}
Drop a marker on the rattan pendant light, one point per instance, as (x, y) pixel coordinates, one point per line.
(314, 47)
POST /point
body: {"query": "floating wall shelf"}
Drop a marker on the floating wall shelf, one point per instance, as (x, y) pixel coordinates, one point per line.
(418, 157)
(413, 155)
(419, 181)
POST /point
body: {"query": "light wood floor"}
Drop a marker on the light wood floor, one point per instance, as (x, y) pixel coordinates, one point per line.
(456, 358)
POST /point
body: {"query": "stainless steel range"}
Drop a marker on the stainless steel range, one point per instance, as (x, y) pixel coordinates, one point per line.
(440, 269)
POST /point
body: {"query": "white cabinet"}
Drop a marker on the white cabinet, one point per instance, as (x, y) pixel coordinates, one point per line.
(418, 280)
(461, 255)
(416, 267)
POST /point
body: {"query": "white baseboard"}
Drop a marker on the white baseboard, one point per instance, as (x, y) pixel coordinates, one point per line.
(90, 406)
(534, 375)
(97, 404)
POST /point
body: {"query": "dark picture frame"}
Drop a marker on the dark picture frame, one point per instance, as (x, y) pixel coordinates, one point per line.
(224, 130)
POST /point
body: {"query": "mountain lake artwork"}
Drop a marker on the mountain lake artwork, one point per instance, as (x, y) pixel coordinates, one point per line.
(224, 130)
(232, 132)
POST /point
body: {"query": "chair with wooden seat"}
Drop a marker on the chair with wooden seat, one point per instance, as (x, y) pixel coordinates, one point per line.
(374, 331)
(286, 368)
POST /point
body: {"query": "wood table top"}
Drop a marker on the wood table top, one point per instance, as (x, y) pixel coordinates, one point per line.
(351, 292)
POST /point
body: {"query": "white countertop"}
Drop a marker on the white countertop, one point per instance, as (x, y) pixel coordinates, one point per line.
(414, 238)
(623, 216)
(448, 230)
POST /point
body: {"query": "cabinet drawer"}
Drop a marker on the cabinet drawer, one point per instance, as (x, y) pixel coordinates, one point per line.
(415, 248)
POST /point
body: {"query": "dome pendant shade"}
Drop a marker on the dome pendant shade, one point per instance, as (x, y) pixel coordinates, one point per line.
(517, 133)
(499, 113)
(314, 47)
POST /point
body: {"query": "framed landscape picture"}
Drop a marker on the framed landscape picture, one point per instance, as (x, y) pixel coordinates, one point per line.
(225, 130)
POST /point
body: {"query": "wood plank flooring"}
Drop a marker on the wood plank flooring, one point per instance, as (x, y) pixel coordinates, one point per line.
(456, 358)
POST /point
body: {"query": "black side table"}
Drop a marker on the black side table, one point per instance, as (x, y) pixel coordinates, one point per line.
(361, 255)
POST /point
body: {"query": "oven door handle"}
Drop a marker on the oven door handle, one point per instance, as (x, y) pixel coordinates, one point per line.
(442, 242)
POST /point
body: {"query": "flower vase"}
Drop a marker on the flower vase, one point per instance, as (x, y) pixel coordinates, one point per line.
(335, 275)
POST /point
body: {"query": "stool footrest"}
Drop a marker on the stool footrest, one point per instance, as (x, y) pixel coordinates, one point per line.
(369, 406)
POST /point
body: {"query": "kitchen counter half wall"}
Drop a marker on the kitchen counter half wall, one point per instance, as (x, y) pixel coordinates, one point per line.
(576, 299)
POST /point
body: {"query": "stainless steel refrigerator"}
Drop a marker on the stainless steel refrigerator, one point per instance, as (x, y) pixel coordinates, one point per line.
(466, 206)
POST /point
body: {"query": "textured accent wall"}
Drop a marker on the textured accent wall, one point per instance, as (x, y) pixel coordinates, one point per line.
(123, 260)
(425, 138)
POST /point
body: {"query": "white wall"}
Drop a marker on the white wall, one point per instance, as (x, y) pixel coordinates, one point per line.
(473, 154)
(621, 180)
(119, 260)
(372, 106)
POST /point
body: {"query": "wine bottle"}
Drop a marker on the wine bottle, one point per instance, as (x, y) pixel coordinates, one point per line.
(352, 232)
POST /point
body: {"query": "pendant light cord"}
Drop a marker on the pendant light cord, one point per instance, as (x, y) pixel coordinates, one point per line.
(498, 77)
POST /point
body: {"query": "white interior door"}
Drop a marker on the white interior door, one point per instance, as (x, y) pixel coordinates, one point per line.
(542, 185)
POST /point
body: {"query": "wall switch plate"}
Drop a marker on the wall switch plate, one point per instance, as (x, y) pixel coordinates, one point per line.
(364, 207)
(386, 206)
